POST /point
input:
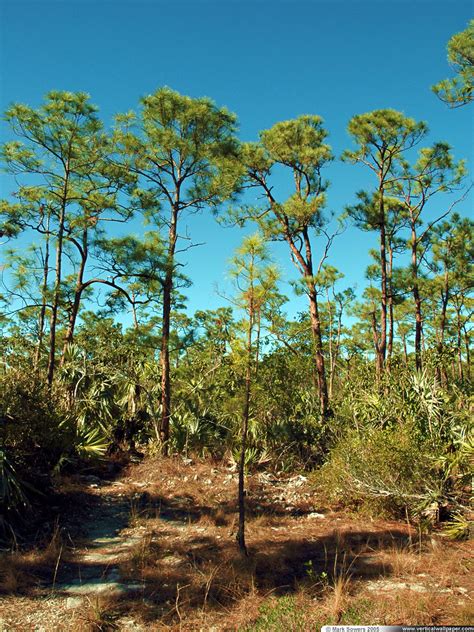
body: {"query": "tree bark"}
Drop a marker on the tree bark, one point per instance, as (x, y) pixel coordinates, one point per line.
(417, 299)
(405, 351)
(165, 335)
(245, 423)
(459, 344)
(390, 309)
(304, 264)
(468, 353)
(443, 375)
(337, 349)
(382, 338)
(57, 284)
(134, 312)
(78, 290)
(318, 348)
(330, 346)
(257, 350)
(44, 289)
(165, 366)
(316, 329)
(378, 363)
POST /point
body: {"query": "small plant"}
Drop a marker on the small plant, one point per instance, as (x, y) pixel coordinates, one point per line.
(358, 613)
(99, 617)
(458, 528)
(279, 615)
(315, 577)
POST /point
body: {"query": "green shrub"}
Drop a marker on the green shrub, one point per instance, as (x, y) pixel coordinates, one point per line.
(13, 499)
(279, 615)
(30, 422)
(32, 442)
(385, 470)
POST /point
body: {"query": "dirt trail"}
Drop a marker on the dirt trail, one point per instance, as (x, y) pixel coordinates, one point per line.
(92, 567)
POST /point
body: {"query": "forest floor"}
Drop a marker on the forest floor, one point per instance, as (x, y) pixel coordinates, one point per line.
(155, 549)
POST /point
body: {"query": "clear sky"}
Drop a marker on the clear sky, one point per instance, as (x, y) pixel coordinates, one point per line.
(266, 60)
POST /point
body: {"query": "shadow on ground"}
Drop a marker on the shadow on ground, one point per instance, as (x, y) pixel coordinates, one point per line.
(172, 569)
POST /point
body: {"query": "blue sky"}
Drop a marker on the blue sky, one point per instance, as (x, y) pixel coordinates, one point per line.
(265, 60)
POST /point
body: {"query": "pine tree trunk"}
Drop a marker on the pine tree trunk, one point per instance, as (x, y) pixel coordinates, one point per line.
(405, 351)
(378, 360)
(330, 346)
(418, 328)
(417, 300)
(134, 312)
(443, 375)
(165, 366)
(165, 335)
(257, 350)
(459, 345)
(336, 352)
(245, 423)
(468, 353)
(382, 342)
(319, 356)
(57, 285)
(390, 310)
(78, 290)
(305, 267)
(44, 289)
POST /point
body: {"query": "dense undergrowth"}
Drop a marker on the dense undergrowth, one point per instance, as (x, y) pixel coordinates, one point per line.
(401, 448)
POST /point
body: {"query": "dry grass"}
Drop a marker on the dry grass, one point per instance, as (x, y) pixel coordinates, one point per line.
(402, 559)
(302, 573)
(13, 579)
(98, 615)
(21, 571)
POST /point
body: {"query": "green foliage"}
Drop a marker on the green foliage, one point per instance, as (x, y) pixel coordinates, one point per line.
(90, 443)
(31, 444)
(13, 498)
(382, 135)
(401, 442)
(407, 447)
(279, 615)
(197, 432)
(64, 145)
(459, 90)
(458, 528)
(382, 469)
(30, 421)
(321, 578)
(358, 613)
(299, 146)
(175, 138)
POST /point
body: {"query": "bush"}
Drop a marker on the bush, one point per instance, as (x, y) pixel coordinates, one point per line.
(30, 417)
(384, 470)
(31, 444)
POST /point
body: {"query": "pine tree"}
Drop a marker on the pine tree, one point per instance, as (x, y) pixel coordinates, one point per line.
(183, 152)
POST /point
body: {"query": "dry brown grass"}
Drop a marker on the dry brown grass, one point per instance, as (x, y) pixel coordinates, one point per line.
(214, 580)
(13, 579)
(339, 596)
(306, 570)
(402, 560)
(98, 614)
(21, 571)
